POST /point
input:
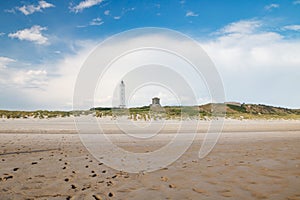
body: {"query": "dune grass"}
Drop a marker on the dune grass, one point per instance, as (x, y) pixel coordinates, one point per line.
(203, 112)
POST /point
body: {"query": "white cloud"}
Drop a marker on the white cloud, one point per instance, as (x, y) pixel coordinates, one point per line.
(117, 17)
(1, 34)
(46, 86)
(256, 65)
(243, 26)
(247, 46)
(4, 61)
(271, 6)
(30, 78)
(58, 93)
(30, 9)
(96, 22)
(296, 2)
(106, 12)
(191, 14)
(81, 26)
(85, 4)
(17, 78)
(44, 4)
(33, 34)
(292, 27)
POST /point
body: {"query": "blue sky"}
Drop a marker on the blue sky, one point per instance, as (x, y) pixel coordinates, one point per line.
(254, 45)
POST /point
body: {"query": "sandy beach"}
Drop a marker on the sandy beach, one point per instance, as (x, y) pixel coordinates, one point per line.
(255, 159)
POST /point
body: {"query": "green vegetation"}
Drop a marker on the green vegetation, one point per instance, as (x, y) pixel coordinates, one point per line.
(207, 111)
(253, 111)
(33, 114)
(240, 109)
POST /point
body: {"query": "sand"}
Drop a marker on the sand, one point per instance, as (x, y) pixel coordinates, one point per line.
(45, 159)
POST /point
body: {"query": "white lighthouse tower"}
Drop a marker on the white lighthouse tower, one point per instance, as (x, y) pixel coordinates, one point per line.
(122, 95)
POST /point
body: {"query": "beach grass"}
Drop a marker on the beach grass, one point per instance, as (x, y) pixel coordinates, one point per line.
(203, 112)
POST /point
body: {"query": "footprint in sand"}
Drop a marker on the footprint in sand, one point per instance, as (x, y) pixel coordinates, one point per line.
(85, 188)
(15, 169)
(109, 183)
(98, 197)
(226, 193)
(7, 177)
(110, 194)
(200, 191)
(115, 176)
(164, 179)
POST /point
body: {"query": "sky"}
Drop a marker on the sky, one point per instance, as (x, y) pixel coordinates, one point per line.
(255, 45)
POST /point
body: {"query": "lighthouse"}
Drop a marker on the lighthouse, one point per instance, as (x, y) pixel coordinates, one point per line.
(122, 95)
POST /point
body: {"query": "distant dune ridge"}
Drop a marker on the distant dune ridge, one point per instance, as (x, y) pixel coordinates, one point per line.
(233, 110)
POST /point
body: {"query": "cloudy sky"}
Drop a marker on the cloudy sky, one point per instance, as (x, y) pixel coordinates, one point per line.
(255, 45)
